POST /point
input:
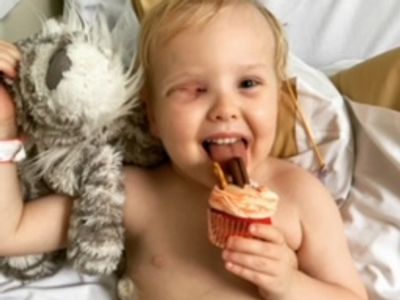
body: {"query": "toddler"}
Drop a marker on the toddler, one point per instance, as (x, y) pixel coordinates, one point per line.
(213, 71)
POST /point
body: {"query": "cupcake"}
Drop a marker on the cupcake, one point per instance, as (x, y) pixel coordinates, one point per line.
(234, 204)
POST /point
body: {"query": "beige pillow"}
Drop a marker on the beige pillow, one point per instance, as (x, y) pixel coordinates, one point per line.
(375, 81)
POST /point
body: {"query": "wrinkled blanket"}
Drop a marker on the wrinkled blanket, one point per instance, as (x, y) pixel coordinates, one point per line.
(372, 209)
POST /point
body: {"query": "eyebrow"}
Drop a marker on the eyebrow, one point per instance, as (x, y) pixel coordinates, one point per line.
(253, 66)
(181, 76)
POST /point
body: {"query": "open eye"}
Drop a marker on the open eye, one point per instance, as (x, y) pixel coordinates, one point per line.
(248, 83)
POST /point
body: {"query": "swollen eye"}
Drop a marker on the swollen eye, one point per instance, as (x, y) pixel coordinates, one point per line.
(59, 63)
(201, 90)
(190, 90)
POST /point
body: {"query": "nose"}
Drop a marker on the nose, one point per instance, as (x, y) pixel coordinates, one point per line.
(224, 109)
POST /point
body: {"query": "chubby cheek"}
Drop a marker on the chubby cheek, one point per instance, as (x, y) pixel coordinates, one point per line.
(263, 125)
(188, 157)
(177, 128)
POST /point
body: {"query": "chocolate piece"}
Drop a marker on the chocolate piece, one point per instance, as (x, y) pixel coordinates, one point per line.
(237, 170)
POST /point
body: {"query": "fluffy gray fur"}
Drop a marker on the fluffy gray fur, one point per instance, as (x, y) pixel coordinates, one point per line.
(81, 121)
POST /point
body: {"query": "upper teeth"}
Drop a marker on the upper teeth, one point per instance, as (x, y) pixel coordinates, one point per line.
(223, 141)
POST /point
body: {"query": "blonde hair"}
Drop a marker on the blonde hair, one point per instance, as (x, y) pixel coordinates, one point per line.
(170, 17)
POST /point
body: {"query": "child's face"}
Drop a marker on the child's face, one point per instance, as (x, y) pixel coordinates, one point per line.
(216, 85)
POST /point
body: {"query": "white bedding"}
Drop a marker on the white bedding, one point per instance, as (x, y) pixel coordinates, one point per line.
(324, 33)
(67, 284)
(326, 113)
(361, 145)
(372, 211)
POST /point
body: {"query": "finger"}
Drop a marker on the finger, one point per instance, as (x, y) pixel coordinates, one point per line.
(254, 247)
(268, 233)
(10, 49)
(253, 262)
(8, 58)
(8, 69)
(257, 278)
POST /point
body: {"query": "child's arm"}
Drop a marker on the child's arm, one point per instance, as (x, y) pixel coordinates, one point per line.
(324, 257)
(325, 267)
(39, 226)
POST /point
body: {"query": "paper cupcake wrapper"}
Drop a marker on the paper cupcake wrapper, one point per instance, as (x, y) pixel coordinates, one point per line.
(222, 225)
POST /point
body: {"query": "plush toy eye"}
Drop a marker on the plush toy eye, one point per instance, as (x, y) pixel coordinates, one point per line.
(59, 63)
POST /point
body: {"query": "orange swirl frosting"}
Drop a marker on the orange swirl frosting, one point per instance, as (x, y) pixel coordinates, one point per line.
(246, 202)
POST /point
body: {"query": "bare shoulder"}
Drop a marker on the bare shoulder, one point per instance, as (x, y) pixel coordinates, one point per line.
(301, 187)
(321, 225)
(304, 202)
(313, 201)
(137, 179)
(142, 187)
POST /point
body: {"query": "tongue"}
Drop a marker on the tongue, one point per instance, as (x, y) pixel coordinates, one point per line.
(223, 153)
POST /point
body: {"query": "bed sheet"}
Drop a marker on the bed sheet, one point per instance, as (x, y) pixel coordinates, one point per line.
(371, 213)
(65, 284)
(361, 145)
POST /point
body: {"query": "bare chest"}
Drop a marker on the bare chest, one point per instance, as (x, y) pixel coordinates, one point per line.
(170, 269)
(174, 260)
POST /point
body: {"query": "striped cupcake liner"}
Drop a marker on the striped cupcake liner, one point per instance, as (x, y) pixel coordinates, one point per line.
(222, 225)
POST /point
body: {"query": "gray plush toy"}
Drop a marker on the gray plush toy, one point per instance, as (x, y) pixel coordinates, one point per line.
(79, 110)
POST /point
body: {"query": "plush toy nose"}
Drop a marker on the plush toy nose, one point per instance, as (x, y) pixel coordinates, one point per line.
(59, 63)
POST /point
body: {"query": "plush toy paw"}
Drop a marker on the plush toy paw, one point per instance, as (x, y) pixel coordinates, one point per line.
(31, 267)
(98, 252)
(126, 288)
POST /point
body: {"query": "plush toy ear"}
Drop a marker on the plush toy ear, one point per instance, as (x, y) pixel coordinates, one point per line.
(59, 63)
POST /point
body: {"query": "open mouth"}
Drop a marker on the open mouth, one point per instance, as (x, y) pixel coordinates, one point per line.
(222, 149)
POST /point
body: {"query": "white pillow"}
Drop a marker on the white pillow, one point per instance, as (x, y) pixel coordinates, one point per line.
(326, 113)
(327, 31)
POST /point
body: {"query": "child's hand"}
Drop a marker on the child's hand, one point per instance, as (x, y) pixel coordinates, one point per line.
(268, 262)
(9, 59)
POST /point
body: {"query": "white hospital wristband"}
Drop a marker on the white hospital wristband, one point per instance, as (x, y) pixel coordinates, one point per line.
(11, 151)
